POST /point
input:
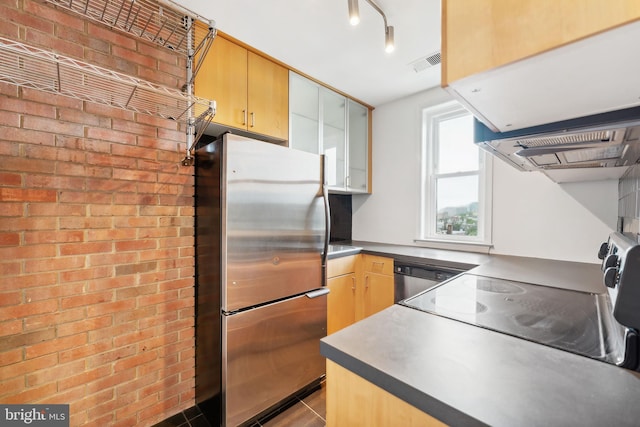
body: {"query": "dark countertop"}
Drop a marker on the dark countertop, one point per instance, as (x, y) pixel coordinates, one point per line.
(578, 276)
(339, 251)
(466, 375)
(437, 257)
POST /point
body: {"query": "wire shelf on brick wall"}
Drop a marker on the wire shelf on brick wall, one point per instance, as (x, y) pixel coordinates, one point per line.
(35, 68)
(164, 23)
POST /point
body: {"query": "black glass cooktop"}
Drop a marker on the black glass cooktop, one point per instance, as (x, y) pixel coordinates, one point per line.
(564, 319)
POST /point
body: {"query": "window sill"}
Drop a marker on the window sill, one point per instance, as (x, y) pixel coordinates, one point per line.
(466, 246)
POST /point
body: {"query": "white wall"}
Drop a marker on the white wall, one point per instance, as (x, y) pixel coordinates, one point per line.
(532, 215)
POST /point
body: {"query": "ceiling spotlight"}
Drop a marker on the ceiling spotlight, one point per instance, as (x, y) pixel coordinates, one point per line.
(389, 42)
(354, 13)
(354, 18)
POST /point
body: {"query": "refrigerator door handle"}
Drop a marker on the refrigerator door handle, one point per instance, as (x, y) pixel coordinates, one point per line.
(327, 214)
(317, 293)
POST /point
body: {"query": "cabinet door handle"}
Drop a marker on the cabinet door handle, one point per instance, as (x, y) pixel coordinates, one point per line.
(253, 119)
(366, 282)
(244, 117)
(353, 285)
(377, 266)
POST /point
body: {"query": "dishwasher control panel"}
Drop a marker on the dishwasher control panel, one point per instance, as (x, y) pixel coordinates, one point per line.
(411, 280)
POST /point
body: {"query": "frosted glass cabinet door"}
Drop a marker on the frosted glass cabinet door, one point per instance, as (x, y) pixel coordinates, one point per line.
(304, 114)
(334, 137)
(325, 122)
(357, 178)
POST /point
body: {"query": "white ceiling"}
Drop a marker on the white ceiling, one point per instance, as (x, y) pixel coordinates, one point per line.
(315, 37)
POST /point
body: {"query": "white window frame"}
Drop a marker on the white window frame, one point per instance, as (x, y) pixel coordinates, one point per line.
(427, 227)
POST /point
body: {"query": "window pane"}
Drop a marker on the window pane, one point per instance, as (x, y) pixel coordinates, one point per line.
(457, 205)
(456, 150)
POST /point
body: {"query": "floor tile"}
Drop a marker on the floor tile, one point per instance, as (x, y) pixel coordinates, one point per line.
(178, 420)
(299, 415)
(200, 421)
(310, 411)
(192, 412)
(317, 402)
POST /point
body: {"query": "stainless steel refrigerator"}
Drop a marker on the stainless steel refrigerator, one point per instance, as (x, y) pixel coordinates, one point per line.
(261, 238)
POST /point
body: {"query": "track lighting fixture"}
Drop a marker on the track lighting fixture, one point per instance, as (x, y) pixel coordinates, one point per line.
(354, 19)
(389, 42)
(354, 13)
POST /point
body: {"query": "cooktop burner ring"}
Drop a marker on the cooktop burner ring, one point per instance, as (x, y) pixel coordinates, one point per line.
(559, 318)
(495, 287)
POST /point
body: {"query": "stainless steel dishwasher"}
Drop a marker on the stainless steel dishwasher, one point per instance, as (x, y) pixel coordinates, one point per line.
(411, 279)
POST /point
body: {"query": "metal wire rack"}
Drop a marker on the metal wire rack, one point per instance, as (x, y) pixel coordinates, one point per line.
(164, 23)
(35, 68)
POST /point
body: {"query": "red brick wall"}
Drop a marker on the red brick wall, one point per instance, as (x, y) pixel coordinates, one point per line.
(96, 238)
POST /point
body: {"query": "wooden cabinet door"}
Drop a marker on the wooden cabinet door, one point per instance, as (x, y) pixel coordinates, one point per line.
(223, 78)
(268, 97)
(485, 34)
(377, 264)
(341, 302)
(377, 293)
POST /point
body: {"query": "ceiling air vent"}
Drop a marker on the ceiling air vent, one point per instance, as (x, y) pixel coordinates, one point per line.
(426, 62)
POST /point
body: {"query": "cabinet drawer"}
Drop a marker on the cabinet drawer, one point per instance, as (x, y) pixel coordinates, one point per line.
(378, 264)
(339, 266)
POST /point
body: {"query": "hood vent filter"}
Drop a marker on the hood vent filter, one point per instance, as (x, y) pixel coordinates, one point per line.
(575, 138)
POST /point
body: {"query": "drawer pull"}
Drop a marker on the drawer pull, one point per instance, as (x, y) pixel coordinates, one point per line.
(317, 293)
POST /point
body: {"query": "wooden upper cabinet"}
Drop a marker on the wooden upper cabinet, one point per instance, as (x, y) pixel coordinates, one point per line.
(481, 35)
(268, 100)
(251, 92)
(223, 78)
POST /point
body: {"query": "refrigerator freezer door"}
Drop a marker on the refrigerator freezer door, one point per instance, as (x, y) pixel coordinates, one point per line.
(271, 353)
(273, 222)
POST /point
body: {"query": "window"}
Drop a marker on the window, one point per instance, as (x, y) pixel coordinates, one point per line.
(456, 185)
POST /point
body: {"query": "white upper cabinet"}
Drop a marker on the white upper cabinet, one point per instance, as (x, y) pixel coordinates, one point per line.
(325, 122)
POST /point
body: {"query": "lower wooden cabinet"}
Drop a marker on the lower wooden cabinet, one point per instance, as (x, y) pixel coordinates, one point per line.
(341, 303)
(360, 285)
(377, 284)
(354, 401)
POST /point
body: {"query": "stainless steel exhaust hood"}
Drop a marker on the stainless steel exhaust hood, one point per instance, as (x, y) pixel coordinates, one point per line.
(596, 147)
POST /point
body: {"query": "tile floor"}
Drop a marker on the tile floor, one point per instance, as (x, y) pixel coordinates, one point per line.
(309, 411)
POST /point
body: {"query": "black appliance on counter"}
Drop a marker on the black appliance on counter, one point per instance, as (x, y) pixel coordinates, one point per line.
(600, 326)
